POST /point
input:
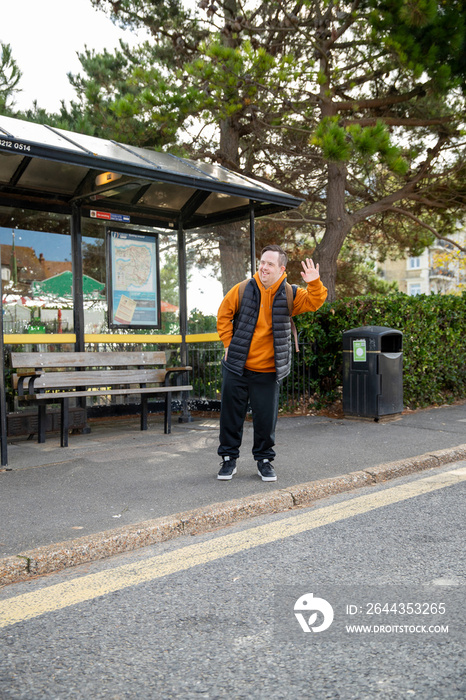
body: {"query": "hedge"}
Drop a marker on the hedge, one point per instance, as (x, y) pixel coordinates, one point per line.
(434, 343)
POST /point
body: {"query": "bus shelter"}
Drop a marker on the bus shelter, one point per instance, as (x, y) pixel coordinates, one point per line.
(47, 169)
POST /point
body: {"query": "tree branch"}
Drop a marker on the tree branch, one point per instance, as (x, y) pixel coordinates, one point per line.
(296, 221)
(417, 220)
(399, 121)
(404, 192)
(352, 105)
(337, 33)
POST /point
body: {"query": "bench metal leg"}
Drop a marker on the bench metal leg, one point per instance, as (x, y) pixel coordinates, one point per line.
(42, 417)
(168, 413)
(65, 422)
(144, 412)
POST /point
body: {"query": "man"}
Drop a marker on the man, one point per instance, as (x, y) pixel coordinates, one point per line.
(258, 355)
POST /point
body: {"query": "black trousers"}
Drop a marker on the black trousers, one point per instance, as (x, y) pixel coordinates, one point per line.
(260, 390)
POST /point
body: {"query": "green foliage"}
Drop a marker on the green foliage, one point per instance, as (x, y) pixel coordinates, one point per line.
(434, 352)
(199, 323)
(10, 75)
(355, 106)
(356, 275)
(94, 260)
(169, 323)
(340, 143)
(331, 138)
(206, 376)
(169, 279)
(204, 358)
(426, 35)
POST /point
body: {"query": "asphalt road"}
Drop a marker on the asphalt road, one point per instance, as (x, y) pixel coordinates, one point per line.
(119, 476)
(213, 616)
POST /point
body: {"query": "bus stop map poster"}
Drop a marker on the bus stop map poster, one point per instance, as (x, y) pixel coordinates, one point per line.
(133, 280)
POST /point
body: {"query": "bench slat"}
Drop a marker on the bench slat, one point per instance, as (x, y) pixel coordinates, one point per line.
(86, 359)
(51, 380)
(117, 392)
(51, 377)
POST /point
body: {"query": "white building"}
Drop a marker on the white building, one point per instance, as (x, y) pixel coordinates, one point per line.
(432, 272)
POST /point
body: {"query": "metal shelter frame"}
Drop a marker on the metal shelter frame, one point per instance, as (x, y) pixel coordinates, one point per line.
(49, 169)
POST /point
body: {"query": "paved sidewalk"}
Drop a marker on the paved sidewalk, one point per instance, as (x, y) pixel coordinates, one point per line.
(118, 488)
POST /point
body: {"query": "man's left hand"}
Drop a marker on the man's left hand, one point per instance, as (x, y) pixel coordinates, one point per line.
(310, 271)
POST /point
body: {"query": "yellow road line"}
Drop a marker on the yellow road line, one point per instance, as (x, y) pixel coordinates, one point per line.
(62, 595)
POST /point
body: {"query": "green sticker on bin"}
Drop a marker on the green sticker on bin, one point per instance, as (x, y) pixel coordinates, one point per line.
(359, 351)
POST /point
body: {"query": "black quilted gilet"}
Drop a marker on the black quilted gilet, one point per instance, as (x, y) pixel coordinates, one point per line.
(245, 323)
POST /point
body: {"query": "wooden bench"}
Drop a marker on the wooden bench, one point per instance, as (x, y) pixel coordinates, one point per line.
(58, 376)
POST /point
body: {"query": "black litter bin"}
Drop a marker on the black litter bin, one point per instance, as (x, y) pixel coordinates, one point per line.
(372, 372)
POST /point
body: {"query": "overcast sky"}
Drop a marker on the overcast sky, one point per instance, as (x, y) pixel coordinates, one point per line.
(45, 36)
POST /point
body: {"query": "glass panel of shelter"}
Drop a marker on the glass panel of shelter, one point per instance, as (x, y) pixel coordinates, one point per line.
(42, 246)
(9, 163)
(36, 249)
(52, 177)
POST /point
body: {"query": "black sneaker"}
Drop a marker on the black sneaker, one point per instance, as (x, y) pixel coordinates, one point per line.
(265, 470)
(228, 469)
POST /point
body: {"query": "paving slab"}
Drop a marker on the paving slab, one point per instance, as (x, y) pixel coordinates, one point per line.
(118, 478)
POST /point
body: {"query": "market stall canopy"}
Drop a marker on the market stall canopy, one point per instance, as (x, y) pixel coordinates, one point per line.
(54, 169)
(62, 285)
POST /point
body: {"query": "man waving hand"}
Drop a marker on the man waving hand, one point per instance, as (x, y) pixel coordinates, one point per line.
(256, 336)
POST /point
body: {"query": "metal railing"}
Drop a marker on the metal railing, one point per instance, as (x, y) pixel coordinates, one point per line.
(205, 358)
(206, 376)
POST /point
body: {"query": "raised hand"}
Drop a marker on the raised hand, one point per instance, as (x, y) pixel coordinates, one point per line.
(310, 271)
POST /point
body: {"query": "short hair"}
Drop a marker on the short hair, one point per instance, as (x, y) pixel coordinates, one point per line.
(282, 256)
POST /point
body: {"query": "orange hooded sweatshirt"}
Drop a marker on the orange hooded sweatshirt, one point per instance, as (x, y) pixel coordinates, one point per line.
(261, 353)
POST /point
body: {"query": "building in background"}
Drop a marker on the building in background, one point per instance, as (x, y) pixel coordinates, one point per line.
(440, 269)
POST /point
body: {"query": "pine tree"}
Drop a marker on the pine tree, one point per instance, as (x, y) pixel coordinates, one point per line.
(10, 75)
(358, 106)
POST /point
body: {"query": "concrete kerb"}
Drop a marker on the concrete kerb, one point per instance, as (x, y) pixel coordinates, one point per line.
(64, 555)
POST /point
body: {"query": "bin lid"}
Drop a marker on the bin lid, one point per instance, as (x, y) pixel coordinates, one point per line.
(371, 332)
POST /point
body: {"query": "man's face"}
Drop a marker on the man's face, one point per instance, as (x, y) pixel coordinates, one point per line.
(270, 269)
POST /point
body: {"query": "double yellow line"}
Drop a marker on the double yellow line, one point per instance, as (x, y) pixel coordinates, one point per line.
(84, 588)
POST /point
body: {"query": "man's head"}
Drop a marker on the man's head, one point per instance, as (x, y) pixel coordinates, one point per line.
(272, 264)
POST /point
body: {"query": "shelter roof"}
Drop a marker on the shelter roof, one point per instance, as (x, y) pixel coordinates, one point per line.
(49, 168)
